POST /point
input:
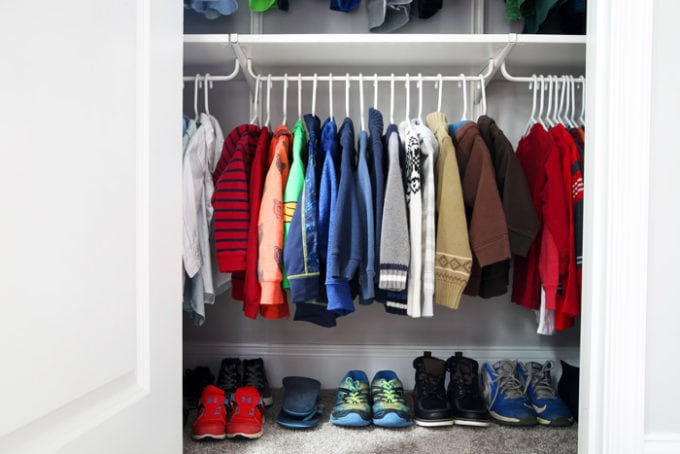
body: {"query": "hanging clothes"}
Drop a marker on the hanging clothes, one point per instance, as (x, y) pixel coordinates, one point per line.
(520, 214)
(273, 302)
(362, 182)
(488, 230)
(453, 258)
(376, 170)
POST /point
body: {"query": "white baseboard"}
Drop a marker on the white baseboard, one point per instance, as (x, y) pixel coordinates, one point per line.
(662, 443)
(328, 363)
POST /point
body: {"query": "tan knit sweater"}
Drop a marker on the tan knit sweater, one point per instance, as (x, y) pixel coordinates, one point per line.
(453, 259)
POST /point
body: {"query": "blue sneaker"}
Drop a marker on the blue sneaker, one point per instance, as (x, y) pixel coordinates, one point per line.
(351, 406)
(389, 404)
(550, 409)
(504, 395)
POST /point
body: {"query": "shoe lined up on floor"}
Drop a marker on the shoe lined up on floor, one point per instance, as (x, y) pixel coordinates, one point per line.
(247, 414)
(352, 406)
(538, 385)
(211, 421)
(523, 394)
(469, 408)
(233, 374)
(430, 404)
(389, 404)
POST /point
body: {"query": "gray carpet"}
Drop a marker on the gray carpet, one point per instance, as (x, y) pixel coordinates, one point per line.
(329, 439)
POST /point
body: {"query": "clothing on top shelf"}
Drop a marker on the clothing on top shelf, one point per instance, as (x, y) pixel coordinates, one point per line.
(212, 9)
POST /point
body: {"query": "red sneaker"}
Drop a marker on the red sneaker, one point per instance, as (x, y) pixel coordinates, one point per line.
(247, 417)
(212, 415)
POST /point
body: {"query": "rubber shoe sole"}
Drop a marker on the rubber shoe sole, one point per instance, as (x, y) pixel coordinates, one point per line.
(434, 422)
(557, 422)
(250, 436)
(527, 421)
(210, 436)
(471, 422)
(392, 420)
(350, 420)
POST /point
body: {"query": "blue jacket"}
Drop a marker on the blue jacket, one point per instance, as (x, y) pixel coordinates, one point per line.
(376, 170)
(367, 228)
(344, 239)
(325, 159)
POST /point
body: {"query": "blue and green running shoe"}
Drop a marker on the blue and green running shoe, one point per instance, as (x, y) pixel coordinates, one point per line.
(550, 409)
(351, 406)
(389, 404)
(505, 396)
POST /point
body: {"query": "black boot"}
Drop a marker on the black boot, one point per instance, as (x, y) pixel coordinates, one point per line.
(431, 407)
(229, 377)
(469, 408)
(254, 375)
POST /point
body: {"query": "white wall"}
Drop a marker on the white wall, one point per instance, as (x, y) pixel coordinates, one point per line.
(663, 348)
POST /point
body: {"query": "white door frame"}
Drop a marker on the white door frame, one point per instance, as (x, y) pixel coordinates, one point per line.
(613, 330)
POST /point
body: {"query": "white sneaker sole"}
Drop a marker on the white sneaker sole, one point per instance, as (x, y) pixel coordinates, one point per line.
(434, 423)
(467, 422)
(211, 436)
(250, 436)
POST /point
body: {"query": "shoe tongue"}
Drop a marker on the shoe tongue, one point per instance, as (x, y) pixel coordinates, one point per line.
(505, 366)
(210, 389)
(434, 366)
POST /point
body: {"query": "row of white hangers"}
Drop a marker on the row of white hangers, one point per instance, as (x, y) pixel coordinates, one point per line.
(560, 109)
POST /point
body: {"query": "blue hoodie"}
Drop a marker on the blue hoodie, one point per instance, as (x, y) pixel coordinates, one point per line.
(344, 239)
(366, 224)
(376, 171)
(321, 168)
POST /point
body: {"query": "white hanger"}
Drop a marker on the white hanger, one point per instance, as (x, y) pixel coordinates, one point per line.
(582, 117)
(572, 116)
(269, 95)
(361, 101)
(532, 119)
(256, 99)
(314, 85)
(330, 96)
(392, 98)
(556, 88)
(439, 85)
(550, 93)
(465, 103)
(420, 98)
(285, 99)
(564, 102)
(299, 96)
(569, 96)
(375, 91)
(347, 95)
(408, 96)
(482, 88)
(197, 84)
(539, 117)
(208, 84)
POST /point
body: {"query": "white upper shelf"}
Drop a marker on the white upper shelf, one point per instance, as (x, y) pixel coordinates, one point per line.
(529, 52)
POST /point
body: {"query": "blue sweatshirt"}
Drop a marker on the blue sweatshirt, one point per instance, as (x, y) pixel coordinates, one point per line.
(376, 170)
(344, 239)
(323, 154)
(366, 224)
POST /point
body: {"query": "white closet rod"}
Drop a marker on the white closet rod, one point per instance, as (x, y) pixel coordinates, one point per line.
(369, 78)
(529, 79)
(211, 78)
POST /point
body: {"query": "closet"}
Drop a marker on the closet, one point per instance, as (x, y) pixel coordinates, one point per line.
(370, 338)
(92, 331)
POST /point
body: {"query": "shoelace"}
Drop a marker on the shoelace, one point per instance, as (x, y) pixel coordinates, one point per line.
(351, 392)
(508, 383)
(389, 392)
(542, 381)
(432, 384)
(229, 378)
(253, 376)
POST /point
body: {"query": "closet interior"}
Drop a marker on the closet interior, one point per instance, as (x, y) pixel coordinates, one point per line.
(245, 48)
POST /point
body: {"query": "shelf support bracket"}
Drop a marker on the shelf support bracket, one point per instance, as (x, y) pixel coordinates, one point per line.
(495, 64)
(243, 61)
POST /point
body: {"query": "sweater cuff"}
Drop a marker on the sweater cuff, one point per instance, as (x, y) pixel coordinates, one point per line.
(304, 287)
(272, 294)
(231, 262)
(448, 293)
(393, 277)
(494, 251)
(520, 242)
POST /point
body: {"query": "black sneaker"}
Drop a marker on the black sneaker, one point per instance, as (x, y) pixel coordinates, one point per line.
(229, 376)
(193, 383)
(254, 375)
(469, 408)
(431, 407)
